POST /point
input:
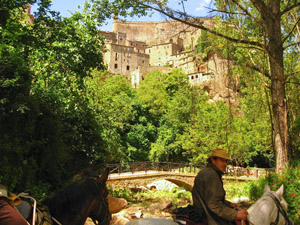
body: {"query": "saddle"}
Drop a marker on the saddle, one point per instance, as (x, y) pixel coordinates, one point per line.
(190, 215)
(29, 209)
(242, 222)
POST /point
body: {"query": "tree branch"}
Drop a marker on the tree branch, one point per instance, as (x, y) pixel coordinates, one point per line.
(252, 47)
(232, 13)
(290, 33)
(249, 14)
(290, 45)
(170, 13)
(290, 74)
(256, 68)
(262, 8)
(290, 8)
(291, 82)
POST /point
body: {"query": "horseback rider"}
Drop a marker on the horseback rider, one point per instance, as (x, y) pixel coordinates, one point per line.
(8, 214)
(208, 192)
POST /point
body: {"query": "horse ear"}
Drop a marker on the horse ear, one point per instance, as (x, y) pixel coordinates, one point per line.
(103, 177)
(267, 188)
(280, 191)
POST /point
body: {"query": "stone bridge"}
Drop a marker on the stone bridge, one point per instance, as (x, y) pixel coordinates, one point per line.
(144, 178)
(185, 179)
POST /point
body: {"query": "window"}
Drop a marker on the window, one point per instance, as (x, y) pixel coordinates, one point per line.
(116, 66)
(128, 67)
(192, 77)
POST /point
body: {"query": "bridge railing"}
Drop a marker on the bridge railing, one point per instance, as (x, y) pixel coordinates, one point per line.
(134, 167)
(153, 166)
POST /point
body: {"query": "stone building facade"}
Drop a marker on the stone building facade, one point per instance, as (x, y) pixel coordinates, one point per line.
(123, 56)
(134, 49)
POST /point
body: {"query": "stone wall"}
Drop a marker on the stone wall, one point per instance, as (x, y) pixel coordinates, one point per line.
(123, 60)
(160, 32)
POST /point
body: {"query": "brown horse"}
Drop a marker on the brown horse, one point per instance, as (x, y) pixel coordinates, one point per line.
(84, 198)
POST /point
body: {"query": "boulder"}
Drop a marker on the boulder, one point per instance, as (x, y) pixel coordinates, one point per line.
(118, 220)
(116, 204)
(132, 213)
(166, 204)
(138, 189)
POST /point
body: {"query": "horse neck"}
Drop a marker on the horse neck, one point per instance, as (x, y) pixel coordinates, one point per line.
(262, 212)
(76, 219)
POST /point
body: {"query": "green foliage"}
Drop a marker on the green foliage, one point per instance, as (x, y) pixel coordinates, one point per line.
(148, 197)
(290, 178)
(125, 128)
(204, 44)
(236, 189)
(122, 193)
(48, 132)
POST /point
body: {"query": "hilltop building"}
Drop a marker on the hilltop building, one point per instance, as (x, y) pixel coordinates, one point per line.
(27, 11)
(136, 48)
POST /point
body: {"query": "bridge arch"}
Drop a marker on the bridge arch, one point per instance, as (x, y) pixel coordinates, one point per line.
(180, 183)
(185, 180)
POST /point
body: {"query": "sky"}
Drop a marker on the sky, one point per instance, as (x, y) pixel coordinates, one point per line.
(192, 7)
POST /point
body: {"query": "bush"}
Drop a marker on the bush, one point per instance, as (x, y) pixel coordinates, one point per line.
(121, 193)
(290, 178)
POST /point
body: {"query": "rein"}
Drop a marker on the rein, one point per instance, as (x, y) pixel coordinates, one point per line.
(280, 211)
(100, 207)
(99, 211)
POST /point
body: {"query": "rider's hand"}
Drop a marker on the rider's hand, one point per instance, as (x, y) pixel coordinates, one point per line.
(242, 215)
(233, 205)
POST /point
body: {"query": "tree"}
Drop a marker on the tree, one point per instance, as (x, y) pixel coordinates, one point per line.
(167, 98)
(44, 113)
(261, 26)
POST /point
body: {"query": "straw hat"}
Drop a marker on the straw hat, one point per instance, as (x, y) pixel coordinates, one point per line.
(3, 190)
(221, 153)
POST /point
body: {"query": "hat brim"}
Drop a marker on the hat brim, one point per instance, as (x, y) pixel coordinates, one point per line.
(222, 157)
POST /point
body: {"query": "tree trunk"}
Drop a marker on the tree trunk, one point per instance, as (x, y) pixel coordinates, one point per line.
(279, 103)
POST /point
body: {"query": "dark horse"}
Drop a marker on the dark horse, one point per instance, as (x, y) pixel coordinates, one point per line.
(84, 198)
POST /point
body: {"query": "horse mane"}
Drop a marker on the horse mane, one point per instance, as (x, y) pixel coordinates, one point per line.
(69, 201)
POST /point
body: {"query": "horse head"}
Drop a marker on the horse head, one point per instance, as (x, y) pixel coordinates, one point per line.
(100, 210)
(87, 197)
(271, 208)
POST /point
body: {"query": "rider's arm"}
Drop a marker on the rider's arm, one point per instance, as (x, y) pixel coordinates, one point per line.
(214, 198)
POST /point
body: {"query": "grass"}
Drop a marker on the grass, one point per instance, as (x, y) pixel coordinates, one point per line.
(178, 196)
(236, 189)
